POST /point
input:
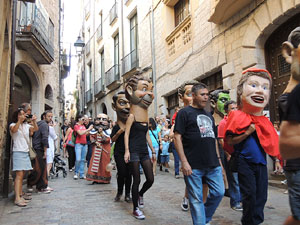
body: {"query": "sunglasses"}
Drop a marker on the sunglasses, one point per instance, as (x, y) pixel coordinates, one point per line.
(101, 119)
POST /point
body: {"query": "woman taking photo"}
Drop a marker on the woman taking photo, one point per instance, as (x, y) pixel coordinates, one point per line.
(20, 132)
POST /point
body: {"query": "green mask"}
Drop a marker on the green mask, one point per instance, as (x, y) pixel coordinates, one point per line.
(223, 98)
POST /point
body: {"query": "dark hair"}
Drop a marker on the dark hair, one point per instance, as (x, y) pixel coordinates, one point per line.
(153, 124)
(16, 114)
(294, 37)
(45, 113)
(115, 97)
(197, 87)
(72, 124)
(189, 82)
(133, 82)
(25, 106)
(214, 95)
(79, 116)
(226, 105)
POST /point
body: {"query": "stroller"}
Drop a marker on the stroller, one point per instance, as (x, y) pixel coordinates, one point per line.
(58, 167)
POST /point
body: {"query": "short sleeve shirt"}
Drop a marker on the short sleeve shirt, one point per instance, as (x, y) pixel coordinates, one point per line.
(119, 145)
(293, 114)
(19, 142)
(198, 132)
(154, 137)
(80, 139)
(221, 134)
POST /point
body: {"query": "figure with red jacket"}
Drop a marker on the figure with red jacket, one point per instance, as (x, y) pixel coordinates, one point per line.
(253, 136)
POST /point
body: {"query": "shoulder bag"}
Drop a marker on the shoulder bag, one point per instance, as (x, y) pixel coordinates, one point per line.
(32, 152)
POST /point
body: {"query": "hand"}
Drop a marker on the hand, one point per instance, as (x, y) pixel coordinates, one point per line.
(250, 129)
(126, 157)
(160, 146)
(186, 168)
(91, 127)
(228, 157)
(21, 118)
(45, 155)
(153, 158)
(34, 118)
(278, 167)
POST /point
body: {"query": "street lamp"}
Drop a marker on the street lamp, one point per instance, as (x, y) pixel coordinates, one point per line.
(79, 45)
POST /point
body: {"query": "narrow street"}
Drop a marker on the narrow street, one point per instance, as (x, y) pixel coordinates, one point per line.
(79, 202)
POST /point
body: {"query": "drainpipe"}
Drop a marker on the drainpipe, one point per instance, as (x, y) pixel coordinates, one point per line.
(153, 61)
(10, 108)
(61, 93)
(122, 35)
(94, 63)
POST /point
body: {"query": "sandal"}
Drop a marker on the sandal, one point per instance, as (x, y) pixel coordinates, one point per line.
(24, 200)
(20, 203)
(26, 197)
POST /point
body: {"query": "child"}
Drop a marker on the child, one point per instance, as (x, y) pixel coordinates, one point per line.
(165, 154)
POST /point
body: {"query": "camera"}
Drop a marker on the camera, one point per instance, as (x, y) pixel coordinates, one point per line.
(29, 116)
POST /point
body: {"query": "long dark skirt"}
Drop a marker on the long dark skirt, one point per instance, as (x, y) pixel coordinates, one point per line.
(38, 176)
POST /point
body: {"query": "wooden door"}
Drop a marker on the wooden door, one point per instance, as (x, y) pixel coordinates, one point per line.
(276, 63)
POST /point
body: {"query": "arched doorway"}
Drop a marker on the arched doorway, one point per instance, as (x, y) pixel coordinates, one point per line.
(48, 98)
(22, 88)
(276, 63)
(104, 109)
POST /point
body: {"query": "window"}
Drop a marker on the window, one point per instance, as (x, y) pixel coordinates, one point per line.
(89, 80)
(181, 11)
(116, 49)
(102, 64)
(133, 33)
(214, 81)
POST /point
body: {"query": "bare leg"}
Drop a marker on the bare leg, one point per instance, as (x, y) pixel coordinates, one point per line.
(18, 185)
(49, 166)
(154, 167)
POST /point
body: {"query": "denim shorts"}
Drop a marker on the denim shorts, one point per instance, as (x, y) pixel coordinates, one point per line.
(138, 157)
(164, 158)
(293, 181)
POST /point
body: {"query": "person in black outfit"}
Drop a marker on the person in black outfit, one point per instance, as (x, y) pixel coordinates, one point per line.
(139, 93)
(121, 106)
(289, 106)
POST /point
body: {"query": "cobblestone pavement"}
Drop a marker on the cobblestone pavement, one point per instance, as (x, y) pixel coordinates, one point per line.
(80, 202)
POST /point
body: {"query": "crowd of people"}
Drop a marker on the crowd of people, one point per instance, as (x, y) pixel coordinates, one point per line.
(220, 145)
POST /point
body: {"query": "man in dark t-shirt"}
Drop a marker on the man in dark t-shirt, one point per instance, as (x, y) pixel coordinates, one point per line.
(195, 142)
(290, 127)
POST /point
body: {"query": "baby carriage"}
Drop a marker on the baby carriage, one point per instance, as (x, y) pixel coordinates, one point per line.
(58, 167)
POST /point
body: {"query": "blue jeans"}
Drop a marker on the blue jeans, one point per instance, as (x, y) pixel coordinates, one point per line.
(80, 151)
(176, 159)
(234, 187)
(293, 181)
(202, 213)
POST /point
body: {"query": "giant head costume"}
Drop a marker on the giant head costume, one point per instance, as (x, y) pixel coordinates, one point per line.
(138, 91)
(218, 98)
(253, 90)
(121, 105)
(185, 92)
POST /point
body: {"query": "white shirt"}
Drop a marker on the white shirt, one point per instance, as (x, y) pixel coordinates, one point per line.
(19, 141)
(51, 138)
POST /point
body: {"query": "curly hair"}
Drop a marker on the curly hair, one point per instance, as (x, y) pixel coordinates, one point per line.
(244, 78)
(115, 97)
(133, 82)
(181, 89)
(294, 37)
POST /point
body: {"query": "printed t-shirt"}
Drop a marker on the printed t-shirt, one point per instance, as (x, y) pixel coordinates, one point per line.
(80, 139)
(198, 132)
(119, 144)
(19, 141)
(293, 114)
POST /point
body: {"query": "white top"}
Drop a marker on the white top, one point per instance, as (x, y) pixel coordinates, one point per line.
(51, 138)
(19, 141)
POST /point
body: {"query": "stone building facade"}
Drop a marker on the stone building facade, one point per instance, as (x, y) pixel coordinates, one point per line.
(36, 73)
(211, 41)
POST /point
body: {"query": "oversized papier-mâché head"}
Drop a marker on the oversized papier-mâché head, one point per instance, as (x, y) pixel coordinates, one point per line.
(121, 105)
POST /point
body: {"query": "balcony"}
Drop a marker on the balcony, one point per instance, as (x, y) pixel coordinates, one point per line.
(113, 13)
(99, 88)
(112, 77)
(88, 96)
(180, 38)
(87, 48)
(65, 65)
(35, 34)
(224, 9)
(99, 32)
(130, 63)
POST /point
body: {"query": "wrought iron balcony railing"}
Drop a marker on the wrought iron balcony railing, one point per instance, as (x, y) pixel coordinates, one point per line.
(130, 61)
(35, 33)
(113, 13)
(112, 74)
(99, 87)
(88, 96)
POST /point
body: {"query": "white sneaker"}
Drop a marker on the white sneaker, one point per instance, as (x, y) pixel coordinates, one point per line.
(138, 214)
(185, 204)
(75, 177)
